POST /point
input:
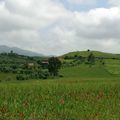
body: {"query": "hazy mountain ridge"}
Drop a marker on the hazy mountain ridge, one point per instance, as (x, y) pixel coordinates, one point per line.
(6, 49)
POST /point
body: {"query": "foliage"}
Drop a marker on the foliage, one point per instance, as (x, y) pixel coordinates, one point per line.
(54, 66)
(21, 77)
(91, 59)
(83, 94)
(30, 74)
(95, 53)
(25, 67)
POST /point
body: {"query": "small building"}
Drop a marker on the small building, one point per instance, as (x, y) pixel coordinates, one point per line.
(31, 64)
(45, 64)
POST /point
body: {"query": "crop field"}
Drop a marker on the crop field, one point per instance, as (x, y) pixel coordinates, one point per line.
(95, 96)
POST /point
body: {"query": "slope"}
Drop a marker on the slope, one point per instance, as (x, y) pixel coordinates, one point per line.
(96, 54)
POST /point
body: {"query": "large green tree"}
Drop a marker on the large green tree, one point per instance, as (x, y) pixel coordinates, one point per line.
(54, 66)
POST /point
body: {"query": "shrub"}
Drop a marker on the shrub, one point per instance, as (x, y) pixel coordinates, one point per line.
(20, 77)
(8, 78)
(61, 76)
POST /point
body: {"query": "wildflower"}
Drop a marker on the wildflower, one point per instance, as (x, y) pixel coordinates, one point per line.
(21, 114)
(62, 101)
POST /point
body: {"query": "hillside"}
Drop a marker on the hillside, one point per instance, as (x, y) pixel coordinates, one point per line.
(84, 71)
(96, 54)
(11, 58)
(6, 49)
(112, 65)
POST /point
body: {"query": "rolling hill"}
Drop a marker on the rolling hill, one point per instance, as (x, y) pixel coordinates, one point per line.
(96, 54)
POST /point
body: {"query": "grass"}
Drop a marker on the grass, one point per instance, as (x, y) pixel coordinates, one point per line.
(84, 71)
(113, 66)
(83, 93)
(60, 100)
(7, 77)
(96, 54)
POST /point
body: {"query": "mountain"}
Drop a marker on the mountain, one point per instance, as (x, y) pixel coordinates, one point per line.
(6, 49)
(96, 54)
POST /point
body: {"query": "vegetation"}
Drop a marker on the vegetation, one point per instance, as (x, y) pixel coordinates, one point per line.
(54, 66)
(95, 53)
(84, 93)
(22, 66)
(91, 59)
(72, 98)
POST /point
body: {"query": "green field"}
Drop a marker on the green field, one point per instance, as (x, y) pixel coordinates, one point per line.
(85, 94)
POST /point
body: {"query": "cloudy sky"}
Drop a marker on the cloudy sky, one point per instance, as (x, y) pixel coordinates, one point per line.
(59, 26)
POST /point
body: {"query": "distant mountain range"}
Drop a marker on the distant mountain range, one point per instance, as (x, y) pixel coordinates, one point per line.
(6, 49)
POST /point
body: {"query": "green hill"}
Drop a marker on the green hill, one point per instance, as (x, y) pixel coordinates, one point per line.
(13, 58)
(96, 54)
(112, 66)
(81, 92)
(85, 71)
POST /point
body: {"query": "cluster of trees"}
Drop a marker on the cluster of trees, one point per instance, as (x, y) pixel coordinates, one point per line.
(30, 74)
(41, 72)
(54, 64)
(77, 60)
(28, 67)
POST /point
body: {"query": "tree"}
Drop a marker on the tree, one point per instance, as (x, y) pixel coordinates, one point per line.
(11, 52)
(54, 66)
(88, 50)
(91, 59)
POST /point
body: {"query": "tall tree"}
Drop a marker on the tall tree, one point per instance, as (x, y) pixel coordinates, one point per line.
(54, 66)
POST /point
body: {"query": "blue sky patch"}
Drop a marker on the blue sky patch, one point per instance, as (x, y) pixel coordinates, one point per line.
(85, 7)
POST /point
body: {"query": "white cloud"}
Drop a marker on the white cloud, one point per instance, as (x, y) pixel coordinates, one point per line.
(30, 14)
(46, 26)
(114, 2)
(99, 23)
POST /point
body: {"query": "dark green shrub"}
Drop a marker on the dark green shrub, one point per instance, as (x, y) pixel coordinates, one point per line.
(20, 77)
(61, 76)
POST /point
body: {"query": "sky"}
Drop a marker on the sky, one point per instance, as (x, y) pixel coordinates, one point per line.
(55, 27)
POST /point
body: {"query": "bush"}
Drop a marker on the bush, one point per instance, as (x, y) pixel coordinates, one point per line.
(8, 78)
(61, 76)
(21, 77)
(38, 74)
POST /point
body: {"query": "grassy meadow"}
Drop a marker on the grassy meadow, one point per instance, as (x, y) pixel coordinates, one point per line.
(83, 93)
